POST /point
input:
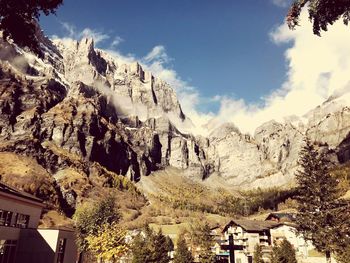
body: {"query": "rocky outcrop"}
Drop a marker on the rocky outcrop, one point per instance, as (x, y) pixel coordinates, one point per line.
(80, 106)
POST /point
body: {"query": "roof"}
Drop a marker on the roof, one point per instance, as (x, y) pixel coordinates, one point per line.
(5, 188)
(286, 216)
(252, 225)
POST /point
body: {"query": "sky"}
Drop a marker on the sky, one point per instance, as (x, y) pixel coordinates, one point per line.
(228, 60)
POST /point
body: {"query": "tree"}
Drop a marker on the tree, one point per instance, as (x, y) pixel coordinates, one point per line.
(317, 199)
(344, 255)
(160, 248)
(200, 236)
(18, 19)
(108, 243)
(90, 216)
(182, 253)
(283, 253)
(321, 12)
(257, 257)
(150, 247)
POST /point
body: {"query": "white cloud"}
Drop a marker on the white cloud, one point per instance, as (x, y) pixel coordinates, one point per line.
(281, 3)
(116, 41)
(318, 67)
(73, 33)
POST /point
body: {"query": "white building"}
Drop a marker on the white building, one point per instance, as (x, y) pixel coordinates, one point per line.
(21, 240)
(248, 234)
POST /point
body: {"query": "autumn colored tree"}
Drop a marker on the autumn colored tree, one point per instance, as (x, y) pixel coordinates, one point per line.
(321, 12)
(90, 216)
(18, 19)
(108, 243)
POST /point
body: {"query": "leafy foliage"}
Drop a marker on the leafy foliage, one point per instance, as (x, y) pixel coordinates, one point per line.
(182, 253)
(344, 255)
(283, 253)
(18, 19)
(150, 247)
(321, 214)
(257, 257)
(108, 243)
(89, 217)
(321, 12)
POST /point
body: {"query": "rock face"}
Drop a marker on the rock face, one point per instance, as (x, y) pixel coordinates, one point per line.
(79, 106)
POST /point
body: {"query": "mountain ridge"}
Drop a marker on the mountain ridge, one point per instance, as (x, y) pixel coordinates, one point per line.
(80, 103)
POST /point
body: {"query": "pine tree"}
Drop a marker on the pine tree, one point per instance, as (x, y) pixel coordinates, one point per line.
(150, 247)
(317, 197)
(140, 250)
(283, 253)
(204, 240)
(257, 258)
(160, 248)
(182, 254)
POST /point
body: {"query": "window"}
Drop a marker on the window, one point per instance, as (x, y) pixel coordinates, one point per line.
(5, 218)
(8, 218)
(61, 250)
(7, 251)
(22, 221)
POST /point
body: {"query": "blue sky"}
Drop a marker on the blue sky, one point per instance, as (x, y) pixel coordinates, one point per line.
(219, 47)
(229, 60)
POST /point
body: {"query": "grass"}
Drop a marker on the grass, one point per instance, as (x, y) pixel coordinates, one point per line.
(315, 253)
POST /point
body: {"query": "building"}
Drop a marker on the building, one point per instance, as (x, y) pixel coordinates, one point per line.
(20, 238)
(281, 217)
(246, 235)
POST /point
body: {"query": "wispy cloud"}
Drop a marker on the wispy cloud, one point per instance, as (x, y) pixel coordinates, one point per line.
(282, 3)
(73, 33)
(116, 41)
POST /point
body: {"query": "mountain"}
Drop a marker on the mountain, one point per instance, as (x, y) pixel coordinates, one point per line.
(79, 110)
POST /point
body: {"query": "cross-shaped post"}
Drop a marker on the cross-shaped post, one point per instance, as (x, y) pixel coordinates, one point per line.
(231, 247)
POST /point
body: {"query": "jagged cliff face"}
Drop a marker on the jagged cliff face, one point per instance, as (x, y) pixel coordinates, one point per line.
(79, 106)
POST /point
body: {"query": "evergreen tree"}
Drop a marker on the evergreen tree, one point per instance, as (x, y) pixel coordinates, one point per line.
(150, 247)
(257, 258)
(160, 248)
(18, 20)
(169, 244)
(140, 250)
(283, 253)
(317, 198)
(200, 235)
(182, 254)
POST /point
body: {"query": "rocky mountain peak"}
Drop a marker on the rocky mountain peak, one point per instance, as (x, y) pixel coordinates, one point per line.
(80, 105)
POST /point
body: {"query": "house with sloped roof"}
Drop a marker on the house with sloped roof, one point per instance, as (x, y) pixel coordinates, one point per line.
(20, 238)
(281, 217)
(245, 235)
